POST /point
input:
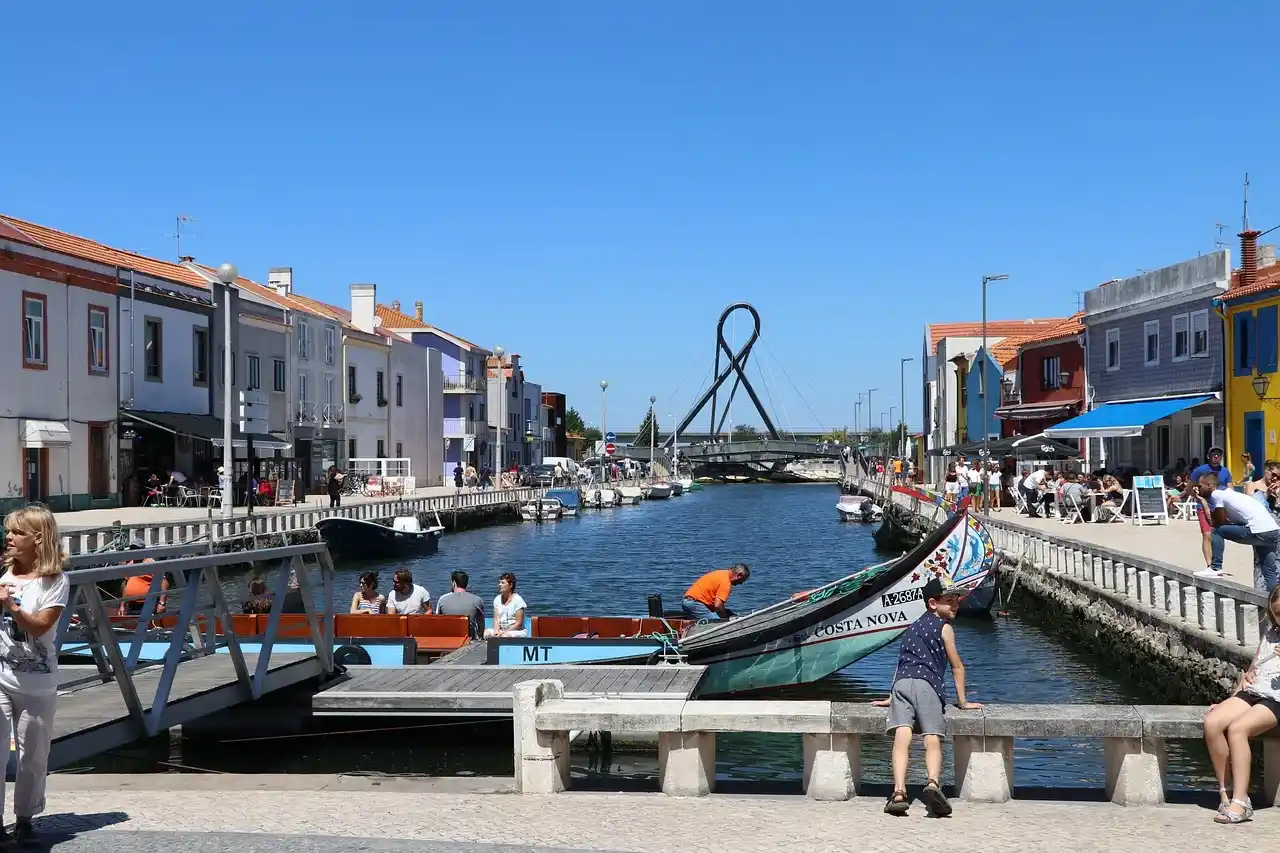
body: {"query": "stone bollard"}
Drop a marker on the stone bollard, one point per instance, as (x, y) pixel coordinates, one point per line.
(832, 766)
(1135, 770)
(687, 763)
(541, 758)
(984, 768)
(1271, 771)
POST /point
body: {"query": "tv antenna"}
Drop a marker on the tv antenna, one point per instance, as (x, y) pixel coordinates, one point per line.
(1220, 243)
(1245, 215)
(178, 223)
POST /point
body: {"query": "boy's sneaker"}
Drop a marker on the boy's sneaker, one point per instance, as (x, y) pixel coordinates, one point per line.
(1216, 574)
(935, 801)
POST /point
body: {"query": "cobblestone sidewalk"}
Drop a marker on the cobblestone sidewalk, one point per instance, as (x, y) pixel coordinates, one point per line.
(640, 822)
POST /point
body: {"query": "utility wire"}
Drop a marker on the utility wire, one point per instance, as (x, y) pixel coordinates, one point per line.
(816, 419)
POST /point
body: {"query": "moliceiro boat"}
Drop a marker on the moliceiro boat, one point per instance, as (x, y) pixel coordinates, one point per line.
(803, 639)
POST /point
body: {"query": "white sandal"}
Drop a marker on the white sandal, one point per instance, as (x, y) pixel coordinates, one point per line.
(1230, 817)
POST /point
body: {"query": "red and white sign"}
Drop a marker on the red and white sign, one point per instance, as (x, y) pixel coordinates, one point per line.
(610, 449)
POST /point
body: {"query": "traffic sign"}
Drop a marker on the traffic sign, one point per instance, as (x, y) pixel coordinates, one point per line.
(610, 436)
(610, 449)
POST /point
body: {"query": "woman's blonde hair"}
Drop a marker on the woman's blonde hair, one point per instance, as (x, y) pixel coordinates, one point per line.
(39, 522)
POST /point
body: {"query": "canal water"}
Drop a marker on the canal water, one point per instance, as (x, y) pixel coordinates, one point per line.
(607, 562)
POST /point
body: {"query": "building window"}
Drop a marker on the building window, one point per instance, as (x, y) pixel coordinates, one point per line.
(279, 377)
(35, 332)
(351, 381)
(1244, 356)
(382, 449)
(380, 390)
(399, 450)
(255, 373)
(303, 397)
(1151, 340)
(304, 339)
(351, 448)
(328, 389)
(1050, 374)
(222, 366)
(153, 349)
(1113, 349)
(330, 344)
(199, 355)
(399, 390)
(1181, 337)
(99, 357)
(1200, 334)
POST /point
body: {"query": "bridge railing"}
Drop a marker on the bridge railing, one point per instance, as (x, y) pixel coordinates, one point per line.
(772, 447)
(114, 630)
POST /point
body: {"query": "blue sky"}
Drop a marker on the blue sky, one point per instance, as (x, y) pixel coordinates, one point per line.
(589, 184)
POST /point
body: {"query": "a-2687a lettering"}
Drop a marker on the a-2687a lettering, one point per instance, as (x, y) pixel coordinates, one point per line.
(901, 596)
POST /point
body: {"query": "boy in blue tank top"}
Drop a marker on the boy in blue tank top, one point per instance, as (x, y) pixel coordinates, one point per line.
(918, 701)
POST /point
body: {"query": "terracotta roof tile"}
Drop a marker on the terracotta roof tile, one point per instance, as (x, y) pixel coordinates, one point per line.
(1268, 279)
(995, 329)
(1073, 325)
(394, 319)
(1005, 353)
(89, 250)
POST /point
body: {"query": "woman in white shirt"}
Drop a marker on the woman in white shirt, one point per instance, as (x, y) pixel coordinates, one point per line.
(508, 610)
(33, 593)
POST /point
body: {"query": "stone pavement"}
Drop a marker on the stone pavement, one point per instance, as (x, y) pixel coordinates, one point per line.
(340, 814)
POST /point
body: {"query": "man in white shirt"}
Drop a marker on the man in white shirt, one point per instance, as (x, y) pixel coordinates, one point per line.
(1242, 519)
(1032, 486)
(406, 597)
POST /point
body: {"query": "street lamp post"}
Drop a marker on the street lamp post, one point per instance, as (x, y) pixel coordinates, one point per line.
(870, 425)
(604, 425)
(982, 377)
(498, 353)
(857, 416)
(227, 274)
(902, 401)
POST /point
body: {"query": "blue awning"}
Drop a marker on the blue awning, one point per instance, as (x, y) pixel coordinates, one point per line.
(1124, 420)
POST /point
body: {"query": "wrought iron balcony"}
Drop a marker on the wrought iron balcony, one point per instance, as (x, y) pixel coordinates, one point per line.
(464, 384)
(332, 414)
(306, 412)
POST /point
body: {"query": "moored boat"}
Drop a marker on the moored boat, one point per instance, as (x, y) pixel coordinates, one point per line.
(659, 491)
(676, 488)
(630, 495)
(858, 508)
(404, 537)
(541, 509)
(570, 500)
(809, 636)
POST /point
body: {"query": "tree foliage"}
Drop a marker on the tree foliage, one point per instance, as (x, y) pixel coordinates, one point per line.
(573, 422)
(745, 432)
(647, 426)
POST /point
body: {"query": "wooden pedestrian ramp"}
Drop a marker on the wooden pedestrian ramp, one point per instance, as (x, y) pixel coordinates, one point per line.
(130, 692)
(478, 690)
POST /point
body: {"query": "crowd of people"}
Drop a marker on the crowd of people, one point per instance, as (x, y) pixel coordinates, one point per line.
(407, 598)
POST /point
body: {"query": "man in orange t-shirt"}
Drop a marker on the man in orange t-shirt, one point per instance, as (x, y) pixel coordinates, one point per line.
(706, 599)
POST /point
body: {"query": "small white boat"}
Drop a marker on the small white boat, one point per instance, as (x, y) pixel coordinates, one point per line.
(542, 509)
(630, 495)
(858, 508)
(676, 489)
(658, 491)
(686, 483)
(598, 498)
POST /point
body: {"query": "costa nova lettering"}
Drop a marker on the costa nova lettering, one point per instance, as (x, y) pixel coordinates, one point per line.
(865, 622)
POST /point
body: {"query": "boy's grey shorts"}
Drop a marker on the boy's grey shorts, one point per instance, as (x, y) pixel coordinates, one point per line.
(916, 704)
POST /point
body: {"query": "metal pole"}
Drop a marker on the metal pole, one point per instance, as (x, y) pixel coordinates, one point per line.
(986, 432)
(228, 454)
(902, 402)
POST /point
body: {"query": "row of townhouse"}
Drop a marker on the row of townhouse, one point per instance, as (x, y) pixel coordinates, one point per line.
(1156, 370)
(120, 374)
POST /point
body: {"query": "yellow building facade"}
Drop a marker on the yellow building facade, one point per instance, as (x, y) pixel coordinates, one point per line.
(1251, 387)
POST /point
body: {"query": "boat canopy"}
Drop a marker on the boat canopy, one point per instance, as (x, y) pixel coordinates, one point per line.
(568, 497)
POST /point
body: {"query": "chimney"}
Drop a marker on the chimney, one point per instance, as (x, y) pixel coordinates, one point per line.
(187, 259)
(1248, 257)
(395, 304)
(280, 279)
(364, 300)
(417, 310)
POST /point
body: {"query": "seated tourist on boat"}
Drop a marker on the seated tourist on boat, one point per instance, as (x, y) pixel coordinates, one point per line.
(707, 598)
(508, 610)
(406, 597)
(367, 599)
(135, 592)
(459, 602)
(259, 600)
